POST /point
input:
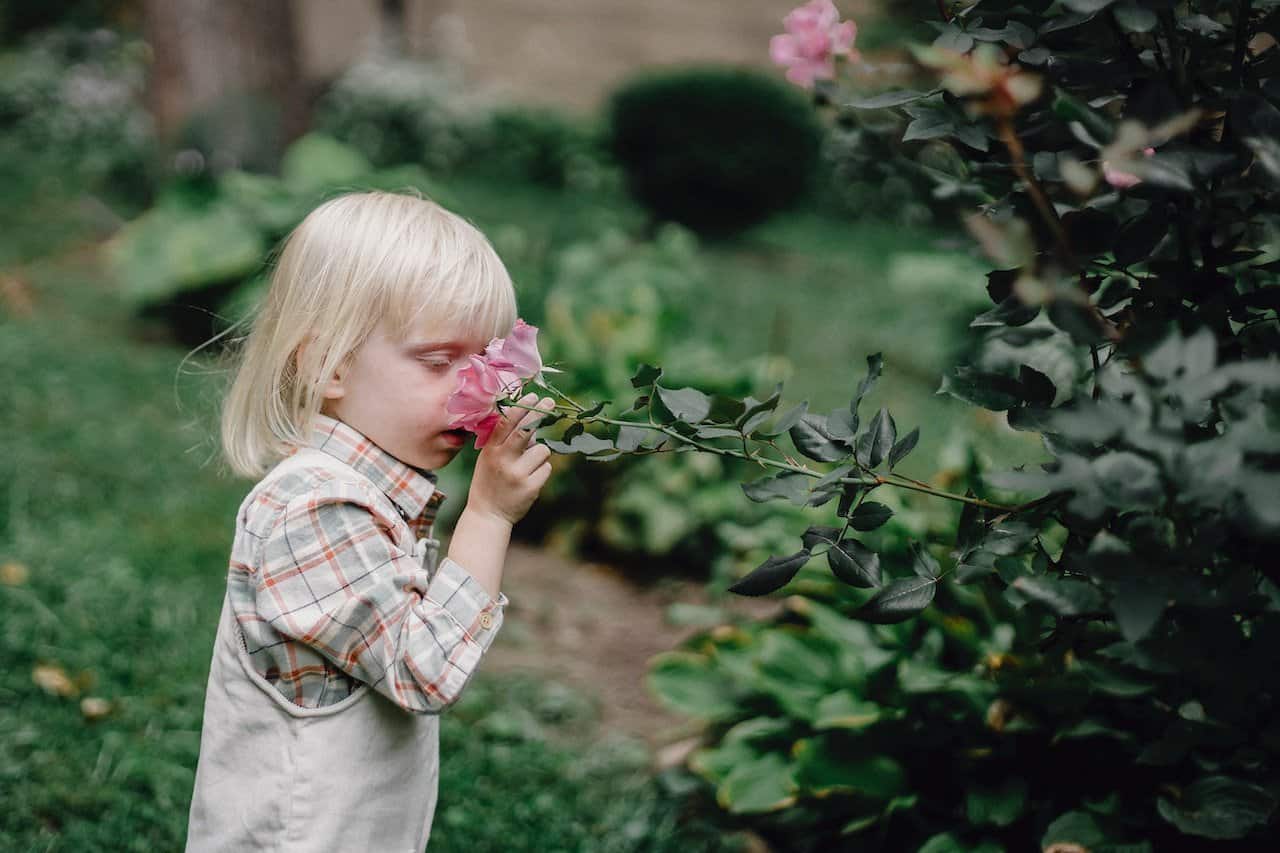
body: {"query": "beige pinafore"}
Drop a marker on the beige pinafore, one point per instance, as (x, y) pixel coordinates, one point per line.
(360, 775)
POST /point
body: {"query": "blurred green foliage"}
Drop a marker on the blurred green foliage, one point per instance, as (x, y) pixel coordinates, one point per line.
(714, 148)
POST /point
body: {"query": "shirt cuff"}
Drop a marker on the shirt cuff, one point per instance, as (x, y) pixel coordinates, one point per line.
(479, 614)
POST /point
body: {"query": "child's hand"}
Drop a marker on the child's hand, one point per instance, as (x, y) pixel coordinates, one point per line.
(511, 469)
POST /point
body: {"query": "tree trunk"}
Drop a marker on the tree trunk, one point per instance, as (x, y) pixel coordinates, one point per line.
(231, 65)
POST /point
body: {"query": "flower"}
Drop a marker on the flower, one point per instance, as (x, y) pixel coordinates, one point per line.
(475, 400)
(998, 88)
(815, 36)
(1120, 179)
(518, 352)
(488, 378)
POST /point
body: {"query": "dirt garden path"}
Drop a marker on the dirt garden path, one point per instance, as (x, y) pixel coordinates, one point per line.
(589, 627)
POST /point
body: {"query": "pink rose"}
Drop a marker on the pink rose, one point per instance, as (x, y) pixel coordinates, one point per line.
(814, 37)
(518, 352)
(493, 376)
(1123, 180)
(475, 400)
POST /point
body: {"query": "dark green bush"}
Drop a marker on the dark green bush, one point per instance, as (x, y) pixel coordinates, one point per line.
(716, 149)
(537, 145)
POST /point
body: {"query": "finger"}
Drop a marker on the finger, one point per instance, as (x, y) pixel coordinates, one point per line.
(533, 458)
(510, 418)
(528, 425)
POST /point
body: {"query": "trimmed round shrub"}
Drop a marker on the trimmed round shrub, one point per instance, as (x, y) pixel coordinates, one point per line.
(716, 149)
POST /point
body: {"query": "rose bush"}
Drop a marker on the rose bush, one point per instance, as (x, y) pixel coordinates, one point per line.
(1124, 164)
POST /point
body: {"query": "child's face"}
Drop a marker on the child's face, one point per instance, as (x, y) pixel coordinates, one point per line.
(394, 392)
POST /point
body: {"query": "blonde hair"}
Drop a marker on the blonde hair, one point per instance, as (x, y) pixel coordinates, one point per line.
(357, 259)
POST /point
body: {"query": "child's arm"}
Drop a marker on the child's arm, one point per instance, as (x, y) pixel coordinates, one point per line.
(509, 473)
(331, 576)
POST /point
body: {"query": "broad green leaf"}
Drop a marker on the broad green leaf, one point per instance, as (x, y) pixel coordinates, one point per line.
(923, 563)
(887, 99)
(791, 485)
(584, 443)
(819, 535)
(692, 684)
(854, 563)
(645, 376)
(1077, 828)
(823, 768)
(843, 710)
(316, 162)
(1219, 807)
(811, 439)
(763, 785)
(770, 575)
(1001, 805)
(787, 420)
(869, 515)
(1064, 596)
(688, 404)
(897, 601)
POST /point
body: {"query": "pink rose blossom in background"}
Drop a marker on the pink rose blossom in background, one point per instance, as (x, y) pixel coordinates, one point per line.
(1123, 180)
(814, 36)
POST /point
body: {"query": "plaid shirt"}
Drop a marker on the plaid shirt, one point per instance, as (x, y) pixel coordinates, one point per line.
(331, 590)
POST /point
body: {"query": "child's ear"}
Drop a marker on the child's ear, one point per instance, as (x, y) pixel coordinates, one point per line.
(333, 389)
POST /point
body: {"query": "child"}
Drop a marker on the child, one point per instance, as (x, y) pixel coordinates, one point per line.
(341, 639)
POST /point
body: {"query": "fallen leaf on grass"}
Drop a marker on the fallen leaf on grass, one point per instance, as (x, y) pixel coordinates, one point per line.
(94, 708)
(13, 573)
(53, 680)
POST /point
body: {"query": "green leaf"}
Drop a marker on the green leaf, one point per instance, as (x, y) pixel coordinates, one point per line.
(317, 162)
(1000, 806)
(854, 563)
(755, 787)
(1064, 596)
(844, 710)
(1087, 7)
(887, 99)
(810, 438)
(1219, 807)
(897, 601)
(574, 429)
(904, 446)
(923, 563)
(869, 515)
(692, 684)
(1137, 607)
(877, 440)
(1077, 828)
(585, 443)
(688, 404)
(791, 485)
(819, 535)
(823, 768)
(646, 375)
(875, 364)
(1128, 480)
(631, 438)
(989, 390)
(788, 420)
(1133, 18)
(772, 574)
(757, 411)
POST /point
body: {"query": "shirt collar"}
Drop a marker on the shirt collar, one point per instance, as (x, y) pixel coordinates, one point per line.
(412, 489)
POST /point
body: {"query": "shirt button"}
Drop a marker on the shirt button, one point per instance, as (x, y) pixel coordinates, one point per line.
(486, 620)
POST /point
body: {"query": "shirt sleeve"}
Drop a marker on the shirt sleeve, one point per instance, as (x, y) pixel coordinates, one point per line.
(333, 577)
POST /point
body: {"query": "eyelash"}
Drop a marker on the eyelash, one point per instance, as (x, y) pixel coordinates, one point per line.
(435, 363)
